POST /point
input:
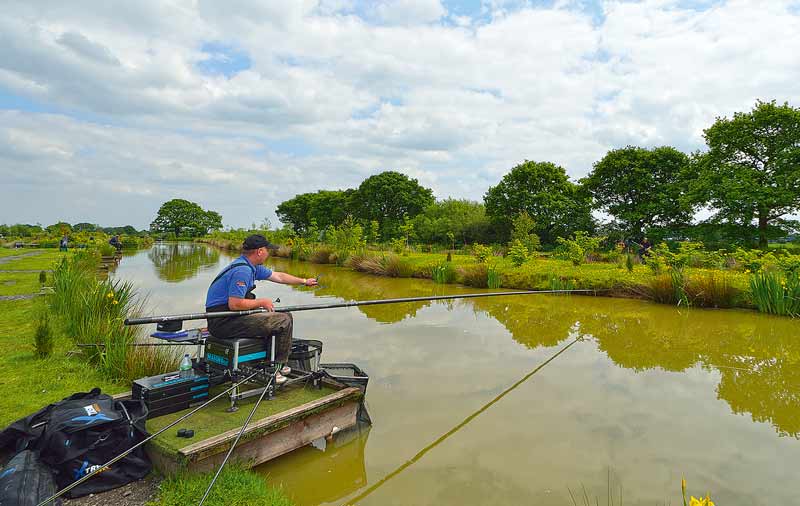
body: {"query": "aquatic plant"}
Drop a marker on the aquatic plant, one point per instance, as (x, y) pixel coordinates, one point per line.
(443, 273)
(558, 283)
(695, 501)
(493, 277)
(712, 289)
(93, 313)
(776, 293)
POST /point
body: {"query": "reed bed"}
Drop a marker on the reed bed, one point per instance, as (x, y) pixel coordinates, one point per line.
(93, 311)
(776, 293)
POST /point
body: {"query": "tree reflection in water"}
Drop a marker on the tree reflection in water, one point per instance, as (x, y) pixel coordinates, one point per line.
(175, 262)
(757, 356)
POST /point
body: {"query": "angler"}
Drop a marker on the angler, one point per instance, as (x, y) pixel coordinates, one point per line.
(232, 289)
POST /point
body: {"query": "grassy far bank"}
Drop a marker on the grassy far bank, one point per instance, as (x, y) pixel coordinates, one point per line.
(29, 382)
(670, 278)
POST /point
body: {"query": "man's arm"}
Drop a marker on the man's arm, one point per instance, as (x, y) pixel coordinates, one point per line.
(241, 304)
(287, 279)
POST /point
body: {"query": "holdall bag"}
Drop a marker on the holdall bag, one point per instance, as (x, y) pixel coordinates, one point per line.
(83, 434)
(78, 434)
(26, 481)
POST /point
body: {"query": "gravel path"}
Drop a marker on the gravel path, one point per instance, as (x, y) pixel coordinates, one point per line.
(21, 255)
(19, 297)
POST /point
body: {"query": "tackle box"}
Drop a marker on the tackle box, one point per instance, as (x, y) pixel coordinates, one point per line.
(220, 352)
(168, 393)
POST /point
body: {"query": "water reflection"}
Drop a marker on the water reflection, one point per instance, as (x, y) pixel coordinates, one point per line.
(757, 357)
(328, 475)
(175, 262)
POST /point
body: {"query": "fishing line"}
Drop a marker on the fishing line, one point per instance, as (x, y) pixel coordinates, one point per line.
(140, 443)
(458, 427)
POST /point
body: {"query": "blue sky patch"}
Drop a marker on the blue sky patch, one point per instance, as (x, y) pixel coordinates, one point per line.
(223, 59)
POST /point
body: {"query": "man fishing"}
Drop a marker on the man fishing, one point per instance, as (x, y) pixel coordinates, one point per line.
(232, 290)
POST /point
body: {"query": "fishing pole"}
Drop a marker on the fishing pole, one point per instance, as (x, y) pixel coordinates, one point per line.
(310, 307)
(238, 436)
(140, 443)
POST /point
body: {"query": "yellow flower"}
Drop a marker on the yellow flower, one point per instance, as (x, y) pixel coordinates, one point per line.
(747, 271)
(701, 502)
(683, 484)
(110, 294)
(116, 302)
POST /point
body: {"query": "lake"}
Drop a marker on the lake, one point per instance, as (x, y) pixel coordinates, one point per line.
(524, 399)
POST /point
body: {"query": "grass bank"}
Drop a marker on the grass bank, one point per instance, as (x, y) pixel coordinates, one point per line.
(667, 279)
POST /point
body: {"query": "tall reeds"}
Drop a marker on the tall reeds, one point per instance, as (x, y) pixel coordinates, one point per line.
(443, 273)
(776, 293)
(93, 312)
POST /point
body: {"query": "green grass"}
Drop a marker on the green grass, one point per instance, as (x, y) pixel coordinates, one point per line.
(235, 486)
(214, 420)
(12, 252)
(42, 261)
(28, 383)
(18, 283)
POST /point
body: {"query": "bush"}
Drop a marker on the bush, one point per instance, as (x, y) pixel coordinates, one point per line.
(397, 245)
(518, 254)
(107, 250)
(44, 341)
(321, 255)
(481, 252)
(475, 275)
(42, 277)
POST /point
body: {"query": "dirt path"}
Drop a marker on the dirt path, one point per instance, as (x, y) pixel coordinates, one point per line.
(137, 493)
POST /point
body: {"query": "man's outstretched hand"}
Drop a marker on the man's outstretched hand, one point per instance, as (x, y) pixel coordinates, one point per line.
(311, 282)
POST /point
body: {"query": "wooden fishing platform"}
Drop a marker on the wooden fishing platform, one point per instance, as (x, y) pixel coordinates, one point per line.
(296, 416)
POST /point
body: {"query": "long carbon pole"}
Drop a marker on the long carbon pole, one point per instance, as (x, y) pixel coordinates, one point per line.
(140, 443)
(310, 307)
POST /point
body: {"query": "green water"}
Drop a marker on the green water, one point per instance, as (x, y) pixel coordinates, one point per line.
(646, 393)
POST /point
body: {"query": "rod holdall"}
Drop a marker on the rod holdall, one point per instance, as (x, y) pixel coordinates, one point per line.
(26, 481)
(83, 432)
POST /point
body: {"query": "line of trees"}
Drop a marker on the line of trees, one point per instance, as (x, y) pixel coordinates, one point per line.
(61, 228)
(748, 180)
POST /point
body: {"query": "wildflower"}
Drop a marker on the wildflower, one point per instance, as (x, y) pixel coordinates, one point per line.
(701, 502)
(110, 294)
(116, 302)
(747, 271)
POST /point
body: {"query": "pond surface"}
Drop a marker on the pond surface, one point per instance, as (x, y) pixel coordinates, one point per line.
(635, 395)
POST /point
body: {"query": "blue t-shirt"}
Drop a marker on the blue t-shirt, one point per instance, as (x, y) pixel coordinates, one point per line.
(235, 282)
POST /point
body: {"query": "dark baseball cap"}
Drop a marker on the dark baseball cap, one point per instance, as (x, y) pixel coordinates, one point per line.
(256, 241)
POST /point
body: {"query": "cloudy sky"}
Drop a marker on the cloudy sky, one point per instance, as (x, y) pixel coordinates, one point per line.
(108, 109)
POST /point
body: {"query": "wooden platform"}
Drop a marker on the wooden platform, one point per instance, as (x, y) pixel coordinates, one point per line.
(295, 418)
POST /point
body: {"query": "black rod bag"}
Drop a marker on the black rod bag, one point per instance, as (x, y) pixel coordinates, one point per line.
(25, 481)
(77, 435)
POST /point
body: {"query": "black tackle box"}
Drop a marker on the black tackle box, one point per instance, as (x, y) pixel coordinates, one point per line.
(168, 393)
